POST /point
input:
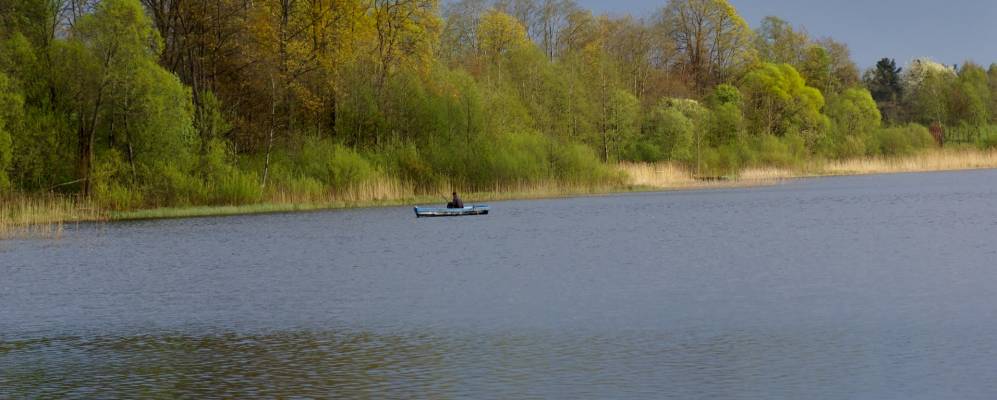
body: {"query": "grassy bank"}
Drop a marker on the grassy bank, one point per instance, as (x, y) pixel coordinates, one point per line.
(46, 215)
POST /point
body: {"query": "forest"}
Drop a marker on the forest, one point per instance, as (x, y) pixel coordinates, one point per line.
(152, 103)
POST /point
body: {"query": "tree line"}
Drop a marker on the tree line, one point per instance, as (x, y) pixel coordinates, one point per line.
(174, 102)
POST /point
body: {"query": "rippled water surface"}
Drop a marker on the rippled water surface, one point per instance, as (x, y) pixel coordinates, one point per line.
(860, 287)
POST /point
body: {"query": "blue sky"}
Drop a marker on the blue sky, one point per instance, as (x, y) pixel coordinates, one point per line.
(949, 31)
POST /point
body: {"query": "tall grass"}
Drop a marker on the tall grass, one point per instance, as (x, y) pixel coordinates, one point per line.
(931, 160)
(658, 175)
(43, 215)
(669, 175)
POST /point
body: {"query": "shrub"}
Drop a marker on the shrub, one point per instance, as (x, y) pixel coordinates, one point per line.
(988, 138)
(333, 164)
(174, 187)
(892, 142)
(114, 196)
(224, 183)
(234, 188)
(900, 140)
(517, 157)
(578, 164)
(729, 159)
(406, 162)
(780, 152)
(850, 147)
(644, 150)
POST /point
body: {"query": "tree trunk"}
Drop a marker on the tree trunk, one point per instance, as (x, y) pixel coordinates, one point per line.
(87, 135)
(273, 127)
(84, 158)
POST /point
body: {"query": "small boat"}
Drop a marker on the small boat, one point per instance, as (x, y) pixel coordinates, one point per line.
(450, 212)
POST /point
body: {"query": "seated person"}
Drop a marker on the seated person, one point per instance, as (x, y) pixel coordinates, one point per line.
(456, 203)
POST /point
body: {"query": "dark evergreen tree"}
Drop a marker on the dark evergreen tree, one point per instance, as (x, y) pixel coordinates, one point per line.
(884, 84)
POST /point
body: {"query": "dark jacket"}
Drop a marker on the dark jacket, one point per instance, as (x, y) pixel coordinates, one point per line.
(456, 203)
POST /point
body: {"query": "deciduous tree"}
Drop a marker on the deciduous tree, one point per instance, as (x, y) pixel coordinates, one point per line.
(711, 37)
(778, 102)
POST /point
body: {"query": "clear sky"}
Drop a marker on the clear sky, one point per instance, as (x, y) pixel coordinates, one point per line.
(949, 31)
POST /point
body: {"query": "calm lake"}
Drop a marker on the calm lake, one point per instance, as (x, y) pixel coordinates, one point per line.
(880, 287)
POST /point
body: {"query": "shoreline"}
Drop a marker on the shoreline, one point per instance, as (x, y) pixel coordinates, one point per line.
(661, 177)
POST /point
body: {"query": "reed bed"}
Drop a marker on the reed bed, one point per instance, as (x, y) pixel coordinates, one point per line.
(666, 175)
(383, 189)
(766, 174)
(382, 192)
(43, 215)
(933, 160)
(659, 175)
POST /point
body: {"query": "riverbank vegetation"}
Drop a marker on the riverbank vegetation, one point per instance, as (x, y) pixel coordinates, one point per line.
(112, 107)
(45, 216)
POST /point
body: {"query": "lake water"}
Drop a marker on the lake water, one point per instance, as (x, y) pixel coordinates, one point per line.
(880, 287)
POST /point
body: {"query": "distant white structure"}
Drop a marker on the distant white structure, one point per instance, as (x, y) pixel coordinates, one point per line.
(919, 68)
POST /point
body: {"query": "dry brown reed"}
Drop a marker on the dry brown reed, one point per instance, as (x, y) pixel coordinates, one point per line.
(933, 160)
(385, 189)
(394, 191)
(666, 175)
(766, 174)
(43, 215)
(670, 176)
(658, 175)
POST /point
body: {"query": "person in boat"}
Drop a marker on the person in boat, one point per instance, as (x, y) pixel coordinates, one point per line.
(456, 202)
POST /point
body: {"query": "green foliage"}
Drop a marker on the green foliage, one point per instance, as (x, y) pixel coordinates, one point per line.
(32, 18)
(110, 177)
(992, 84)
(11, 104)
(927, 101)
(724, 94)
(816, 68)
(712, 38)
(334, 165)
(483, 163)
(353, 96)
(622, 119)
(499, 34)
(676, 132)
(853, 113)
(787, 151)
(987, 139)
(226, 184)
(778, 42)
(778, 102)
(160, 120)
(900, 140)
(209, 119)
(515, 157)
(576, 163)
(854, 117)
(969, 97)
(884, 81)
(725, 125)
(405, 161)
(44, 151)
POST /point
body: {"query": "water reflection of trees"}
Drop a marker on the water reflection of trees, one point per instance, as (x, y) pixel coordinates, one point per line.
(282, 365)
(725, 363)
